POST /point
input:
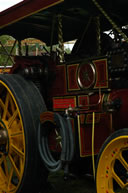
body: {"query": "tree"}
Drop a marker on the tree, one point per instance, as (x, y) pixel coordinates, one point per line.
(4, 59)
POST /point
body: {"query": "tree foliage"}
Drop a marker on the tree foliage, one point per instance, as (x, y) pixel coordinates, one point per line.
(5, 50)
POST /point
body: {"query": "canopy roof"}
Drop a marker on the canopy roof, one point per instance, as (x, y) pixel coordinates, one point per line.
(38, 18)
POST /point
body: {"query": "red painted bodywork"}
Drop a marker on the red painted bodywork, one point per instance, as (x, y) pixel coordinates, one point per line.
(24, 9)
(65, 90)
(83, 102)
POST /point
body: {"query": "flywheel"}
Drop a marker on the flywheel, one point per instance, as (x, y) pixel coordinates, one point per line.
(21, 170)
(112, 164)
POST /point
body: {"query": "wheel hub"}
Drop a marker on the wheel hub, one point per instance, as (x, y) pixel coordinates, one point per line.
(3, 141)
(3, 137)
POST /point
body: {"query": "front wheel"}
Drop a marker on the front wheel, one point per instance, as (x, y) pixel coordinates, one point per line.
(112, 164)
(21, 170)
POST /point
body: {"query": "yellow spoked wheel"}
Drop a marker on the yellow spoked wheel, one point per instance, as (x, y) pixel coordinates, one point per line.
(21, 169)
(112, 165)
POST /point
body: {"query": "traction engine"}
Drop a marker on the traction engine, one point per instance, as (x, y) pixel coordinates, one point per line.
(66, 112)
(84, 103)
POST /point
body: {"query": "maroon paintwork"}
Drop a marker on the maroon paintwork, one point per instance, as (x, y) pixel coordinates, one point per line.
(65, 92)
(75, 85)
(24, 9)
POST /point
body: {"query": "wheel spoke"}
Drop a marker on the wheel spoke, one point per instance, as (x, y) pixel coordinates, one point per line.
(12, 105)
(3, 174)
(12, 118)
(6, 106)
(3, 106)
(14, 166)
(10, 178)
(2, 159)
(6, 167)
(58, 138)
(16, 134)
(117, 179)
(17, 151)
(122, 160)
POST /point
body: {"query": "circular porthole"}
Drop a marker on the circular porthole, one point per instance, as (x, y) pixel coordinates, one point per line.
(86, 75)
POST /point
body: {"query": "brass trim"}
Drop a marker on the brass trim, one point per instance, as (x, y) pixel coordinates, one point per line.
(94, 77)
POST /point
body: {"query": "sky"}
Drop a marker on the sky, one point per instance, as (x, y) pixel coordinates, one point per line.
(4, 4)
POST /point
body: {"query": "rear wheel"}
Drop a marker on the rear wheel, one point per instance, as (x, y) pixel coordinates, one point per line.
(21, 169)
(112, 165)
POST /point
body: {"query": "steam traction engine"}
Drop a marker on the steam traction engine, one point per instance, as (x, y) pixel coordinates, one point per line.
(60, 111)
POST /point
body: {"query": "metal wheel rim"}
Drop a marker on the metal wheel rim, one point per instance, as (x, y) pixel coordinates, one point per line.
(13, 162)
(108, 178)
